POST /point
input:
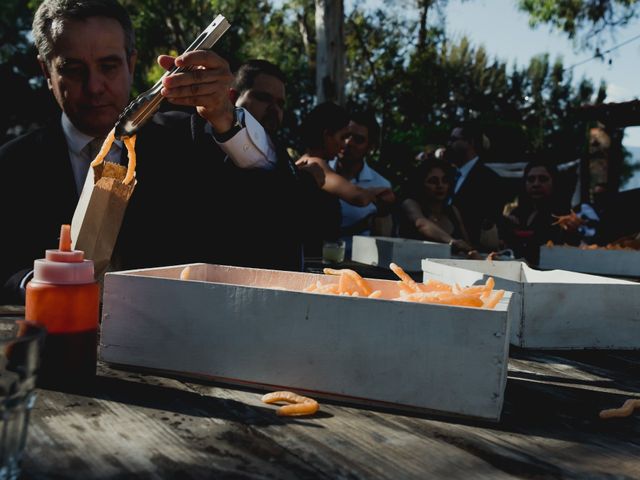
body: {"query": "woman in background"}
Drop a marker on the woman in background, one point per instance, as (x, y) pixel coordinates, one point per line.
(534, 221)
(426, 213)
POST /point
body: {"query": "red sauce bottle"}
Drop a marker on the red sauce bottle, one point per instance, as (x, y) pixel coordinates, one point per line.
(64, 297)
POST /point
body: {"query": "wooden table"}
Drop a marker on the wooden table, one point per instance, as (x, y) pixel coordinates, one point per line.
(154, 427)
(135, 424)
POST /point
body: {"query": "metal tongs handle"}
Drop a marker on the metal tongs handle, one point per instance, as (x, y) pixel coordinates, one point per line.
(146, 104)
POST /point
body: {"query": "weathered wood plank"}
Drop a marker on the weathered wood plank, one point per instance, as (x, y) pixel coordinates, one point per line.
(154, 429)
(140, 425)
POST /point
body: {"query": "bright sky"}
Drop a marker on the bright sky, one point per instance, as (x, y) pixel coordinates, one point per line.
(505, 33)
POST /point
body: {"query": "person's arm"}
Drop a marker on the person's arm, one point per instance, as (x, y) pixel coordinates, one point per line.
(248, 146)
(206, 86)
(428, 229)
(336, 184)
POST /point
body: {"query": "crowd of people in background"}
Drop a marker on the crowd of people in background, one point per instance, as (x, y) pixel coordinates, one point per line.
(263, 206)
(451, 196)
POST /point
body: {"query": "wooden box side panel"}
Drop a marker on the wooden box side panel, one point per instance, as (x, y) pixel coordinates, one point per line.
(506, 270)
(531, 275)
(476, 272)
(581, 316)
(259, 278)
(438, 358)
(407, 253)
(365, 250)
(612, 262)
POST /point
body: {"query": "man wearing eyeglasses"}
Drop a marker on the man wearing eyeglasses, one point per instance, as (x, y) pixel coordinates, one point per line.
(259, 88)
(361, 139)
(478, 191)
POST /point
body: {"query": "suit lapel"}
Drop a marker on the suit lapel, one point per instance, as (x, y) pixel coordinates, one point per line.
(57, 167)
(469, 185)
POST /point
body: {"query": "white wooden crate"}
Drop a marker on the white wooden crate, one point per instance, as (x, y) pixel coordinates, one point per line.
(252, 326)
(620, 263)
(556, 309)
(408, 253)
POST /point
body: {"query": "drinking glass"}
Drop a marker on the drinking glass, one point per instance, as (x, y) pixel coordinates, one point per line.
(20, 346)
(333, 251)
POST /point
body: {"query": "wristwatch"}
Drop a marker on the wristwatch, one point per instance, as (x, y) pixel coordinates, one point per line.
(238, 124)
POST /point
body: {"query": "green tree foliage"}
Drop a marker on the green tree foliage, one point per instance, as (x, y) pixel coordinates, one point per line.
(419, 82)
(590, 18)
(420, 93)
(257, 31)
(25, 99)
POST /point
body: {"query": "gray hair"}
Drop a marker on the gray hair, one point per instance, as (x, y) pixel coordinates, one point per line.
(49, 18)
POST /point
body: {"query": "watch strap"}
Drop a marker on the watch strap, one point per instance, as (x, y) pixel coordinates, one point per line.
(238, 124)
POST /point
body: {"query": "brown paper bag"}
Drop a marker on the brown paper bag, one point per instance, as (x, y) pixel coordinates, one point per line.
(99, 213)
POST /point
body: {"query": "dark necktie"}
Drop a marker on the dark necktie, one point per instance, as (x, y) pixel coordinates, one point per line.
(456, 177)
(93, 147)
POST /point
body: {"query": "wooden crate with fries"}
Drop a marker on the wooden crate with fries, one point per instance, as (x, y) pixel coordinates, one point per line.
(314, 334)
(601, 261)
(381, 251)
(555, 309)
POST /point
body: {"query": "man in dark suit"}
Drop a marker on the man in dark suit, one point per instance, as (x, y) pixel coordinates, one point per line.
(259, 87)
(192, 169)
(312, 214)
(478, 192)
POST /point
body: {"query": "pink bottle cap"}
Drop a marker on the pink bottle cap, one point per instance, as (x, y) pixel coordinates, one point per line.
(63, 266)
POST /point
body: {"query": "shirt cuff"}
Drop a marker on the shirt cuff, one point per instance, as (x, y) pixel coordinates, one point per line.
(251, 146)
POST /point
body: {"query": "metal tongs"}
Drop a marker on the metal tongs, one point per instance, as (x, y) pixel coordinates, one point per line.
(146, 104)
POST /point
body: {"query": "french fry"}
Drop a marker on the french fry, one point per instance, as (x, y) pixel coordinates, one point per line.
(432, 285)
(129, 143)
(299, 405)
(104, 149)
(565, 221)
(185, 274)
(410, 282)
(493, 301)
(624, 411)
(357, 279)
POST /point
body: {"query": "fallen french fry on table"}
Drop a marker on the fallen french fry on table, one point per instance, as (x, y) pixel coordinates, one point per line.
(625, 410)
(299, 405)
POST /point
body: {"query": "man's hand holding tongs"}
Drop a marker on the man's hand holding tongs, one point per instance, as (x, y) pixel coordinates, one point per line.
(205, 85)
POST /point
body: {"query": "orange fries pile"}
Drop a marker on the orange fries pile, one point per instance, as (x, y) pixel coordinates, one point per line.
(350, 283)
(624, 245)
(431, 291)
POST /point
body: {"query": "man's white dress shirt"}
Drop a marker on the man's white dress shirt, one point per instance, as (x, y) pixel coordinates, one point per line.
(251, 147)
